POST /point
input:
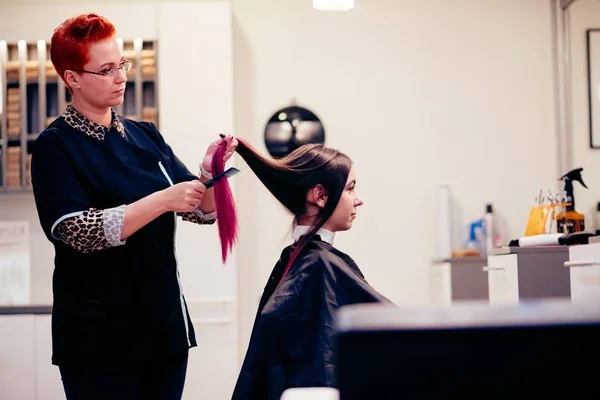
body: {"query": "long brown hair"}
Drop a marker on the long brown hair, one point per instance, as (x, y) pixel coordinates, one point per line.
(290, 179)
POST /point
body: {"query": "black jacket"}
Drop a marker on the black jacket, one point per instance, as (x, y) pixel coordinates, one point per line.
(122, 304)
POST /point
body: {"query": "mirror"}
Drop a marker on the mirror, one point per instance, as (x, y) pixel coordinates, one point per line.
(593, 61)
(290, 128)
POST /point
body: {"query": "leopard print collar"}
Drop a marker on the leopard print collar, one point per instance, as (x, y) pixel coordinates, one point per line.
(93, 129)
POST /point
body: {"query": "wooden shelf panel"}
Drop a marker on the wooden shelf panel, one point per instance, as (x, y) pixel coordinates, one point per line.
(26, 96)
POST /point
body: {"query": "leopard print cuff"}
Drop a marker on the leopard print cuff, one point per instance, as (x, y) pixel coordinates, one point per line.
(84, 232)
(114, 220)
(200, 218)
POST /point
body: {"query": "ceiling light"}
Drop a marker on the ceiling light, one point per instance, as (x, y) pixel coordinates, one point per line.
(333, 5)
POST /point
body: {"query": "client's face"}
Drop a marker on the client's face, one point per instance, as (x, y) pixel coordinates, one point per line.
(344, 214)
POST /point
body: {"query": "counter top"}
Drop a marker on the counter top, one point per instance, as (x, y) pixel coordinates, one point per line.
(532, 249)
(594, 239)
(460, 260)
(26, 309)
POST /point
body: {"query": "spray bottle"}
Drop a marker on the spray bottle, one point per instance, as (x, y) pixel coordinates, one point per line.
(476, 236)
(569, 220)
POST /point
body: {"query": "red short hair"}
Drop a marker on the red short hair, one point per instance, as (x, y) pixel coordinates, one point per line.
(70, 45)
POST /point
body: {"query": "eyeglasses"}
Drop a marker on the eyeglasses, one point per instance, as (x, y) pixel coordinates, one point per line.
(125, 66)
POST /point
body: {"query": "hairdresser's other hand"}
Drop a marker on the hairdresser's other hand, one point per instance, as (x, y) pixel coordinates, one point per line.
(212, 148)
(183, 197)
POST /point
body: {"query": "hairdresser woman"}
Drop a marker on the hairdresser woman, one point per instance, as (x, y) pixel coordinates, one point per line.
(107, 191)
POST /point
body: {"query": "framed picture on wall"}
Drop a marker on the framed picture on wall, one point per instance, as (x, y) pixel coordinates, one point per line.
(593, 54)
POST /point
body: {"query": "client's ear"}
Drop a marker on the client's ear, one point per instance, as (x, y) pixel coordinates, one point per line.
(317, 196)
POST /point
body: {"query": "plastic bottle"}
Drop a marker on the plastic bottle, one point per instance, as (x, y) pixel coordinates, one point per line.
(570, 220)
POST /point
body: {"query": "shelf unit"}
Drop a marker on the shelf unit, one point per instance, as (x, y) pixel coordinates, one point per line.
(32, 96)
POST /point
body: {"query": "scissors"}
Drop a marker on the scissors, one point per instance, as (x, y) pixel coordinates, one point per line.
(554, 202)
(539, 199)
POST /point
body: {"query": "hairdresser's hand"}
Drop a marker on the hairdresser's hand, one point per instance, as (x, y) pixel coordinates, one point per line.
(212, 148)
(183, 197)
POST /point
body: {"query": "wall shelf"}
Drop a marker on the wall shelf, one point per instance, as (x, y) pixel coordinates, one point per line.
(32, 96)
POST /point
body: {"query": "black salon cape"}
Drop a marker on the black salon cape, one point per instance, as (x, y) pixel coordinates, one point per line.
(291, 342)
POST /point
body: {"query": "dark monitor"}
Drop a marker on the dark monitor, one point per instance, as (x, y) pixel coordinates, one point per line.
(534, 350)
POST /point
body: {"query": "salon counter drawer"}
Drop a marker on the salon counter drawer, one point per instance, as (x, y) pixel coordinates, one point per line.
(525, 273)
(457, 280)
(584, 271)
(502, 276)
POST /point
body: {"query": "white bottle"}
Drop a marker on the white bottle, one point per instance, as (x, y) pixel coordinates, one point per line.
(489, 227)
(597, 221)
(443, 222)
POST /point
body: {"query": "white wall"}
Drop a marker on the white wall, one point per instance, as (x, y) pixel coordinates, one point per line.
(195, 105)
(418, 93)
(583, 15)
(35, 21)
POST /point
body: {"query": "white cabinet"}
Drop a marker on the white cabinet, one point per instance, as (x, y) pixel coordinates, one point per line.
(48, 383)
(584, 269)
(503, 280)
(440, 284)
(17, 357)
(27, 373)
(26, 370)
(457, 280)
(517, 274)
(213, 365)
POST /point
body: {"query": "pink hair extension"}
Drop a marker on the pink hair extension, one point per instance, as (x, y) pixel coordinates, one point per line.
(293, 256)
(226, 211)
